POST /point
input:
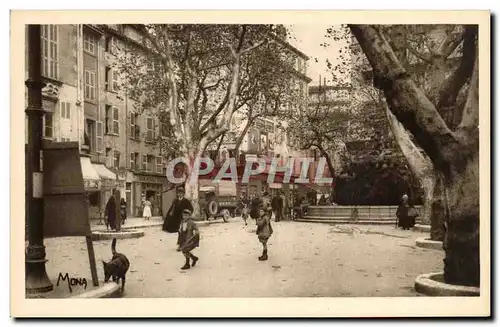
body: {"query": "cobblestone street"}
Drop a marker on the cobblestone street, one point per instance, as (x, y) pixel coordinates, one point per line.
(304, 260)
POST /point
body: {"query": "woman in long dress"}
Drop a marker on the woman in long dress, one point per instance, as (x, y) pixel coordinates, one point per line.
(111, 213)
(146, 212)
(406, 214)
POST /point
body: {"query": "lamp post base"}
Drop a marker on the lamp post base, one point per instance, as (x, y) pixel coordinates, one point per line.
(37, 280)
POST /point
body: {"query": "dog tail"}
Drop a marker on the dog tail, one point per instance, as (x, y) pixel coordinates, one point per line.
(113, 246)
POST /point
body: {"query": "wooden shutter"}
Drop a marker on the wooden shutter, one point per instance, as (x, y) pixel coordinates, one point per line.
(109, 119)
(128, 131)
(99, 136)
(116, 120)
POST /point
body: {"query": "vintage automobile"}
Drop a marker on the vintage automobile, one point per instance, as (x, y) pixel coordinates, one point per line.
(218, 200)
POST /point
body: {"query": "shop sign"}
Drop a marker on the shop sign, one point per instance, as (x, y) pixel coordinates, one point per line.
(91, 184)
(150, 179)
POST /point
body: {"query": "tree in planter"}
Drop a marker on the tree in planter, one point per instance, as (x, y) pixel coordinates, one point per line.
(198, 76)
(454, 152)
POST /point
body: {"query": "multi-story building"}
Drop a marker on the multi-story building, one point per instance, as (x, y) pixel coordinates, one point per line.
(84, 104)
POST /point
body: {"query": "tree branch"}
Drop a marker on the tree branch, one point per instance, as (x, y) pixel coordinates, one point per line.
(408, 103)
(470, 116)
(253, 47)
(421, 56)
(213, 117)
(450, 43)
(451, 87)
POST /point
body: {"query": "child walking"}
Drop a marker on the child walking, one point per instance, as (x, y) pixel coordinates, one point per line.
(264, 229)
(189, 238)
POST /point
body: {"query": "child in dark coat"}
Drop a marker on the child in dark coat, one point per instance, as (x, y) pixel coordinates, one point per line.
(264, 230)
(189, 238)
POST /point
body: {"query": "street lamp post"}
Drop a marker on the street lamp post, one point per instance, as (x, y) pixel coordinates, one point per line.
(37, 280)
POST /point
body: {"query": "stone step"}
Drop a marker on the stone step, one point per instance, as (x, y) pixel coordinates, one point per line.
(356, 222)
(348, 218)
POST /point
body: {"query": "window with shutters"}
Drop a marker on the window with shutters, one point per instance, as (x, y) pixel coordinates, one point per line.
(164, 129)
(65, 110)
(107, 78)
(144, 162)
(49, 37)
(150, 129)
(90, 85)
(111, 79)
(112, 120)
(89, 43)
(111, 44)
(114, 80)
(90, 135)
(48, 125)
(150, 163)
(133, 160)
(116, 159)
(159, 165)
(134, 127)
(99, 137)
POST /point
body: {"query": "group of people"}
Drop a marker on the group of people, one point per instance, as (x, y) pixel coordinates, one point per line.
(111, 211)
(179, 219)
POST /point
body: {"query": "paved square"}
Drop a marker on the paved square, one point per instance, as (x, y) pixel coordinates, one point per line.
(305, 260)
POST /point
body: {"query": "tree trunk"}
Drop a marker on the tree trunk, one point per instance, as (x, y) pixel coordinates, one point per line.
(438, 211)
(420, 164)
(191, 185)
(192, 195)
(461, 243)
(455, 155)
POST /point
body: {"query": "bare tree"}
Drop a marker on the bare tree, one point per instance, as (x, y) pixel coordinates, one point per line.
(199, 76)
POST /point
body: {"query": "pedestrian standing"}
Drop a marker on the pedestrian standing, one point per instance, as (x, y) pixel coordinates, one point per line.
(406, 214)
(189, 239)
(111, 212)
(146, 211)
(264, 230)
(123, 210)
(245, 203)
(278, 207)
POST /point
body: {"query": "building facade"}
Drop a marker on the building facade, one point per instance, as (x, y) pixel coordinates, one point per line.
(84, 103)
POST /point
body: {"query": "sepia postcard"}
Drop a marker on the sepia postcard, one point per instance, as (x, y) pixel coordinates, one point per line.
(250, 164)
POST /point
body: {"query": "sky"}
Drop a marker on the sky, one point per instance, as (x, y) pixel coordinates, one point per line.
(308, 39)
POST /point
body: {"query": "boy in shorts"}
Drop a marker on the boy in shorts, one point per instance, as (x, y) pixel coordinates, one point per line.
(264, 230)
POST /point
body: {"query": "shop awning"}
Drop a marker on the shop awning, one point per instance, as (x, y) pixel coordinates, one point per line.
(107, 176)
(104, 172)
(91, 179)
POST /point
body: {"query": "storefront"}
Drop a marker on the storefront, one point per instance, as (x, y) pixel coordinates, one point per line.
(148, 187)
